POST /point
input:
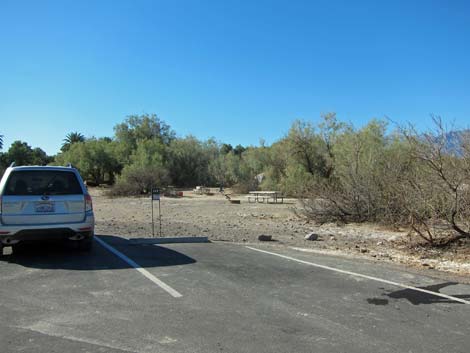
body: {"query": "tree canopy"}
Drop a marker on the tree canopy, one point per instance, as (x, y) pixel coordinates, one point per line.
(70, 139)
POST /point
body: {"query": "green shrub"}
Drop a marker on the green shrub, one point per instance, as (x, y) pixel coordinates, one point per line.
(138, 180)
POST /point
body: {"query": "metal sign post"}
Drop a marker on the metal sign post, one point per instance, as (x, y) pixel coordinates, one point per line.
(156, 197)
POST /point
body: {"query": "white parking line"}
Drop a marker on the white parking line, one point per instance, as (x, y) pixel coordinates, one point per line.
(139, 268)
(364, 276)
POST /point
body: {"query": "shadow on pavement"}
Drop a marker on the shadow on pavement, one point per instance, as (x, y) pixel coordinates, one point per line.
(64, 256)
(417, 298)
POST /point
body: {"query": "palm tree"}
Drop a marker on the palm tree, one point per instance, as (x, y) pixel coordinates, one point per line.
(70, 139)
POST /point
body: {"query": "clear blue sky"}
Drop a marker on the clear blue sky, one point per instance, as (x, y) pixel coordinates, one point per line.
(234, 70)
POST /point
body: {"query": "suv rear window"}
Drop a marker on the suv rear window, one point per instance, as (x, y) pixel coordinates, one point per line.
(42, 182)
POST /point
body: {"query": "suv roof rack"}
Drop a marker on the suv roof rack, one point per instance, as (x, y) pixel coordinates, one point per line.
(12, 164)
(69, 165)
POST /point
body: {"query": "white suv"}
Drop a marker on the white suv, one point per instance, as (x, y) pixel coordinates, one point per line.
(45, 203)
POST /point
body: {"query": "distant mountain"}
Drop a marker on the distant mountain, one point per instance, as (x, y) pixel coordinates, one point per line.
(455, 139)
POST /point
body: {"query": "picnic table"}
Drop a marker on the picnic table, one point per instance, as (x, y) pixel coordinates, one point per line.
(201, 190)
(260, 196)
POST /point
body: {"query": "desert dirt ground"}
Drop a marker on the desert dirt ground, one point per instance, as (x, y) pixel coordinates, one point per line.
(215, 217)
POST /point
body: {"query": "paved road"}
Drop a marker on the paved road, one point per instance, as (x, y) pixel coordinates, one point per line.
(233, 299)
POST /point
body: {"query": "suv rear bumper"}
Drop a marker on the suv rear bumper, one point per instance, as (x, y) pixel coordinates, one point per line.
(10, 235)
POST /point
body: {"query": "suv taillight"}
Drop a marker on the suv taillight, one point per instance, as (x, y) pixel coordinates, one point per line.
(88, 203)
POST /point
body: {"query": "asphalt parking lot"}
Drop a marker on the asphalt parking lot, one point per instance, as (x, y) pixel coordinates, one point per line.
(218, 297)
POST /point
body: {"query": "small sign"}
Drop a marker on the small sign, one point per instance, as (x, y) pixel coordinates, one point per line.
(156, 197)
(156, 194)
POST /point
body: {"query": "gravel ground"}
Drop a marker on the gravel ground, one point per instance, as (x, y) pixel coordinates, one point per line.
(214, 217)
